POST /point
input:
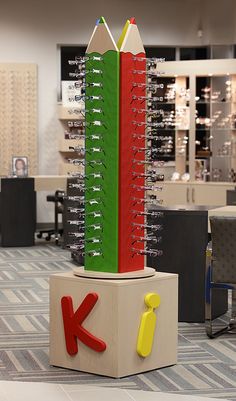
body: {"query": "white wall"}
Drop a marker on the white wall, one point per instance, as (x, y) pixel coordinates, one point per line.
(31, 29)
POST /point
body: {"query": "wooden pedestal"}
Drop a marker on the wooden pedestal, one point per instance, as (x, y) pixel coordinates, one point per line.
(115, 319)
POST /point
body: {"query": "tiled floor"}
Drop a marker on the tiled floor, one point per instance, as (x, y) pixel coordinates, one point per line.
(20, 391)
(205, 368)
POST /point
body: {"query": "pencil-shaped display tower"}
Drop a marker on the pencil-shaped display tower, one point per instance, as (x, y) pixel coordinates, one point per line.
(127, 331)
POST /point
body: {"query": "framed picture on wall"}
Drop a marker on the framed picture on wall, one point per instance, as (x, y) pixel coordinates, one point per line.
(20, 166)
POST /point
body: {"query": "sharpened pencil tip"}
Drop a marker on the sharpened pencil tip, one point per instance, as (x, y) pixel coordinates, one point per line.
(102, 20)
(132, 21)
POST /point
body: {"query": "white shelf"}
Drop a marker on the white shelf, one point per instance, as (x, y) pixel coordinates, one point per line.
(66, 168)
(66, 143)
(65, 113)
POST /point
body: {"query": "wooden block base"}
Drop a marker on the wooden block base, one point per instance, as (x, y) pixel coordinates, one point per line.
(115, 319)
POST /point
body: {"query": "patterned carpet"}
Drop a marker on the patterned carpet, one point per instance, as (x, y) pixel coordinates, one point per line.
(205, 367)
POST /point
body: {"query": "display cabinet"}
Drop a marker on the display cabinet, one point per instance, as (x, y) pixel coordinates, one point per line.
(205, 107)
(195, 193)
(71, 119)
(215, 125)
(172, 97)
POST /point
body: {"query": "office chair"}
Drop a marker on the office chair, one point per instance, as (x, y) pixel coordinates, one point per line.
(57, 199)
(221, 269)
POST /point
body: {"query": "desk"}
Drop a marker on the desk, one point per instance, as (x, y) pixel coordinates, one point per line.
(227, 211)
(50, 182)
(18, 211)
(184, 241)
(18, 206)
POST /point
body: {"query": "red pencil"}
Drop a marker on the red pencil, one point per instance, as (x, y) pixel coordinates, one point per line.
(132, 73)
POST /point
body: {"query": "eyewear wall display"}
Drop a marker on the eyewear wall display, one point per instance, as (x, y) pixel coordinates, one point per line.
(18, 123)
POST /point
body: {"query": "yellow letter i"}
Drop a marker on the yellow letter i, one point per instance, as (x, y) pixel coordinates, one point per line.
(148, 325)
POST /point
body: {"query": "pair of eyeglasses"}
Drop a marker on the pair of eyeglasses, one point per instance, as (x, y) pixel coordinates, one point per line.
(76, 235)
(75, 247)
(92, 85)
(151, 214)
(142, 162)
(148, 73)
(75, 210)
(146, 187)
(95, 150)
(152, 175)
(150, 252)
(146, 201)
(153, 227)
(76, 162)
(93, 240)
(75, 124)
(148, 124)
(94, 175)
(82, 201)
(76, 198)
(92, 97)
(94, 137)
(153, 61)
(95, 58)
(79, 149)
(94, 253)
(138, 238)
(76, 222)
(94, 227)
(147, 151)
(147, 85)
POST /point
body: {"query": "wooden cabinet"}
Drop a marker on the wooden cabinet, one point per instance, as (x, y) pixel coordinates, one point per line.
(175, 193)
(213, 194)
(194, 193)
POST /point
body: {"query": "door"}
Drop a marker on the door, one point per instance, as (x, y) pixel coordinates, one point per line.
(174, 193)
(212, 194)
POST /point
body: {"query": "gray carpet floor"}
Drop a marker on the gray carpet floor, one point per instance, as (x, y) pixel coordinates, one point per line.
(205, 367)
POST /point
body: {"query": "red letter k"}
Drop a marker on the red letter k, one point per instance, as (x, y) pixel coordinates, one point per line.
(73, 324)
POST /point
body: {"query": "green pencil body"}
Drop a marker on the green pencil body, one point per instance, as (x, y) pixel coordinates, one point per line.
(102, 161)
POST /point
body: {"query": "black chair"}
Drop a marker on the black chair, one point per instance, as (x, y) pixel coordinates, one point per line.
(58, 200)
(231, 197)
(221, 269)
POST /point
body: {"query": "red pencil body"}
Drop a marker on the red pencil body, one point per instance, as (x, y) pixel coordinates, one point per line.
(131, 115)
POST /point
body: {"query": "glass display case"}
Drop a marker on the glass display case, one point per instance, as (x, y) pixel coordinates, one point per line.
(203, 94)
(172, 99)
(215, 126)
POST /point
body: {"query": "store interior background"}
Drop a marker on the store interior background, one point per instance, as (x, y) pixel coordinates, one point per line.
(30, 31)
